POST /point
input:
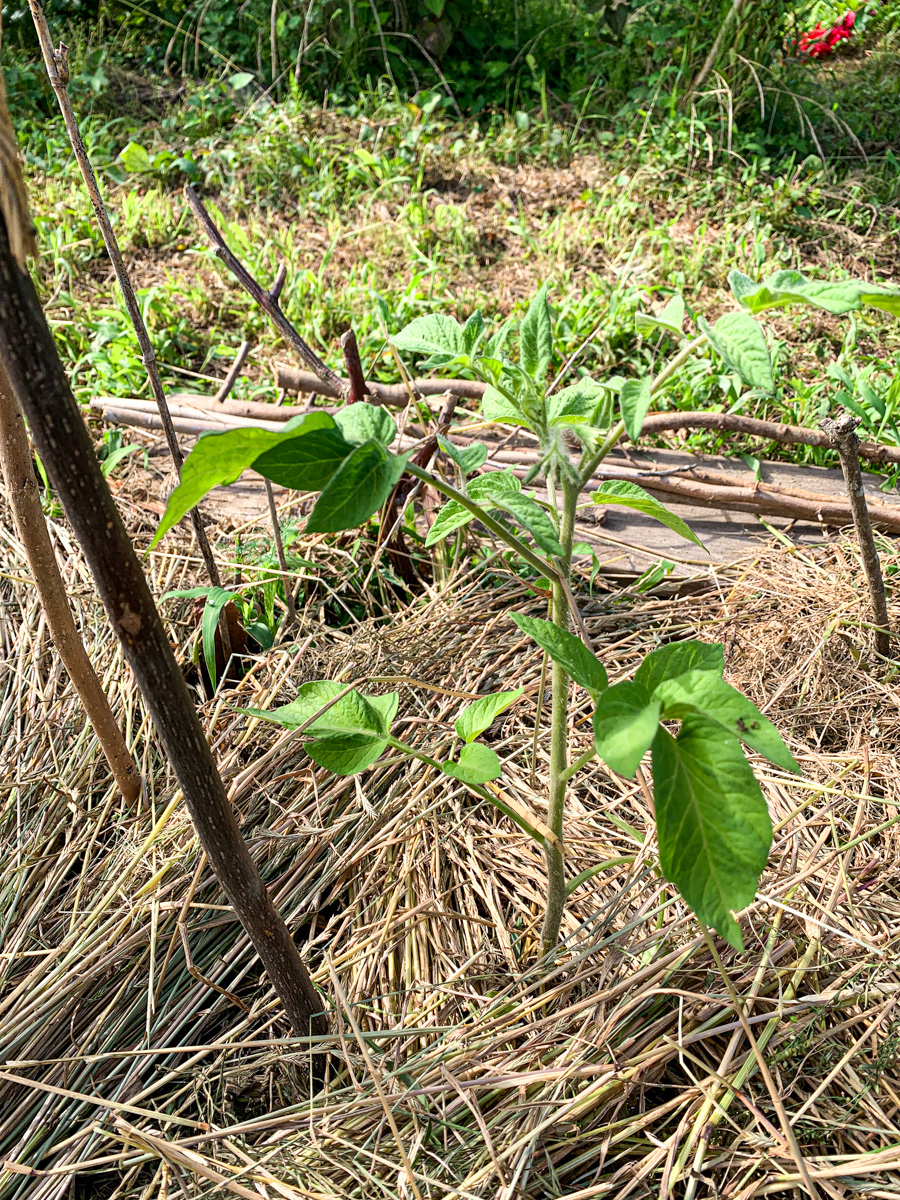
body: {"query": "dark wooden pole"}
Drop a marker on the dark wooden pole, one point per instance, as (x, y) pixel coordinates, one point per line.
(39, 382)
(843, 434)
(358, 389)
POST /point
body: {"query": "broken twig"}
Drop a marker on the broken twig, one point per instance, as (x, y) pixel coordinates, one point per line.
(843, 435)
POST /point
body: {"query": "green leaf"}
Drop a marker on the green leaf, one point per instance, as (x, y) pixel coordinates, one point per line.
(668, 662)
(135, 158)
(350, 736)
(671, 319)
(631, 496)
(740, 342)
(451, 517)
(579, 404)
(438, 336)
(467, 458)
(112, 460)
(567, 650)
(492, 485)
(496, 407)
(304, 463)
(834, 296)
(473, 332)
(358, 489)
(477, 764)
(366, 422)
(483, 488)
(240, 80)
(216, 600)
(712, 822)
(531, 516)
(634, 403)
(705, 694)
(476, 717)
(220, 458)
(625, 724)
(536, 337)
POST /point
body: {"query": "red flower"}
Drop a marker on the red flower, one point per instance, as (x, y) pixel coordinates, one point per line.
(820, 42)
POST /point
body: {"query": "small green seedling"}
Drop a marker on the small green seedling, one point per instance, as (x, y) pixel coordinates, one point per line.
(713, 827)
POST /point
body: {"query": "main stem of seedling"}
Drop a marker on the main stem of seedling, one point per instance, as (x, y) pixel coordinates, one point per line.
(559, 733)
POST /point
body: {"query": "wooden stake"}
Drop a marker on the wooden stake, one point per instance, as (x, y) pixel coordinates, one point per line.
(24, 502)
(29, 356)
(843, 435)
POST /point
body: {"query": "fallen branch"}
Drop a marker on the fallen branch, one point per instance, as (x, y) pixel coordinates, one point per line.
(765, 499)
(32, 364)
(267, 300)
(391, 395)
(395, 394)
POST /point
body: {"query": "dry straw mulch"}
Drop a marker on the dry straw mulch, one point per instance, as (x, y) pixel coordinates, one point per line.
(142, 1056)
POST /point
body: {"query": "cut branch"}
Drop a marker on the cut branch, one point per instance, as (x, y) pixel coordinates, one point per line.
(234, 370)
(24, 501)
(358, 392)
(843, 434)
(267, 300)
(29, 356)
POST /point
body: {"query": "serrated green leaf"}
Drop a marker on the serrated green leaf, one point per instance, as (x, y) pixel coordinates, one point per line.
(671, 319)
(306, 463)
(476, 717)
(578, 404)
(220, 458)
(629, 495)
(450, 518)
(625, 724)
(366, 422)
(493, 484)
(435, 335)
(567, 650)
(477, 764)
(706, 694)
(467, 458)
(496, 407)
(668, 662)
(634, 403)
(531, 516)
(712, 823)
(357, 489)
(740, 342)
(536, 337)
(833, 296)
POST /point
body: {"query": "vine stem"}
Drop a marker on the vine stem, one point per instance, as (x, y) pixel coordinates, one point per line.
(559, 732)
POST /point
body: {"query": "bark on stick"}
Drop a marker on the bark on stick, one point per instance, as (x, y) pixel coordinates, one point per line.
(843, 434)
(30, 359)
(25, 505)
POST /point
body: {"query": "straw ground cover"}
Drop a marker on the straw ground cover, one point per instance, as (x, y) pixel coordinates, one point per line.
(141, 1057)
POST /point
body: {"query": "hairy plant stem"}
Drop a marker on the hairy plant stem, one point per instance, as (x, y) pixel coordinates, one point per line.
(559, 729)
